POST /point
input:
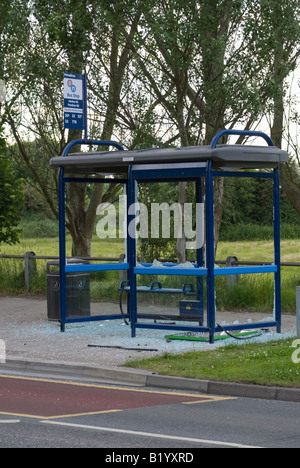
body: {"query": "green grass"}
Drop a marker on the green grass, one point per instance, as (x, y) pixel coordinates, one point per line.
(256, 363)
(256, 292)
(259, 250)
(50, 247)
(12, 276)
(253, 292)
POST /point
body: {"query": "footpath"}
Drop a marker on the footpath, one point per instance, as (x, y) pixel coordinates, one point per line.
(32, 345)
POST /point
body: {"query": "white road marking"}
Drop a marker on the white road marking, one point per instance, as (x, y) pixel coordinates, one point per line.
(149, 434)
(9, 421)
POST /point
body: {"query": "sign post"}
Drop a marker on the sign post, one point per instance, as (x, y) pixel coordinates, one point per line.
(75, 102)
(2, 92)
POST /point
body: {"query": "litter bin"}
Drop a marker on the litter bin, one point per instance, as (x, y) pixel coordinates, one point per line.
(78, 291)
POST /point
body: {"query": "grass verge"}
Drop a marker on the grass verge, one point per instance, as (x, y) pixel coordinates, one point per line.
(268, 364)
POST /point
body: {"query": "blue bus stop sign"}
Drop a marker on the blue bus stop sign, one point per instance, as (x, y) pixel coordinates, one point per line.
(75, 102)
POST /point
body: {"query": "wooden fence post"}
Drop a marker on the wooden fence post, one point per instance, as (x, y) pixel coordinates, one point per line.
(232, 280)
(30, 268)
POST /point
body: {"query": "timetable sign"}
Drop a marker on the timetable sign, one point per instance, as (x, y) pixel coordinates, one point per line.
(74, 101)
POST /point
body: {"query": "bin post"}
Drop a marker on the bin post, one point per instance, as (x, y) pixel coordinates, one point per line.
(232, 280)
(122, 273)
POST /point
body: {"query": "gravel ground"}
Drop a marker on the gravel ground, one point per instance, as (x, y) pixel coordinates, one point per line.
(28, 334)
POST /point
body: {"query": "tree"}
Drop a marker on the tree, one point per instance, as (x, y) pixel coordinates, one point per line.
(160, 73)
(61, 36)
(81, 218)
(283, 23)
(203, 63)
(10, 199)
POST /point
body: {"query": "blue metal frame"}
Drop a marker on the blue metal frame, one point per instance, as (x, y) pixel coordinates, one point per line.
(176, 172)
(160, 173)
(63, 267)
(62, 249)
(277, 258)
(210, 251)
(85, 141)
(131, 246)
(85, 110)
(222, 133)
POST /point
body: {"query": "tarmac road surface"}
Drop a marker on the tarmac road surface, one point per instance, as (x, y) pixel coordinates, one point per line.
(40, 398)
(42, 413)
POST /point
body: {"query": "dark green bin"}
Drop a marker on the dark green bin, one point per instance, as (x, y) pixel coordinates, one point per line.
(78, 291)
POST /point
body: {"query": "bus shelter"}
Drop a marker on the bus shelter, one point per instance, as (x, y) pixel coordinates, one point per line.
(197, 164)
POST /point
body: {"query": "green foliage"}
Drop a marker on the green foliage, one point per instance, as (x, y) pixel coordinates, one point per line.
(248, 211)
(151, 248)
(159, 73)
(163, 193)
(10, 199)
(257, 232)
(38, 227)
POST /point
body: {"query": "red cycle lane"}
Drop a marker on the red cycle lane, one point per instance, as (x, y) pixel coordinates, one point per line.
(49, 399)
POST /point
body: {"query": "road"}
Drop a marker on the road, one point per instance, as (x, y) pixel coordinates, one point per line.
(48, 414)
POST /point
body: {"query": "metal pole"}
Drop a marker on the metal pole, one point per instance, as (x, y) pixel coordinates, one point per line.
(85, 119)
(131, 242)
(277, 249)
(210, 251)
(62, 249)
(200, 258)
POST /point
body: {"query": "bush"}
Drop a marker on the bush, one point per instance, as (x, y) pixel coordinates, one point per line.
(256, 232)
(10, 199)
(36, 228)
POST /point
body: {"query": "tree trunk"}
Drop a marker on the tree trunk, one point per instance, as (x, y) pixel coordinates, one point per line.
(213, 47)
(81, 218)
(181, 242)
(291, 190)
